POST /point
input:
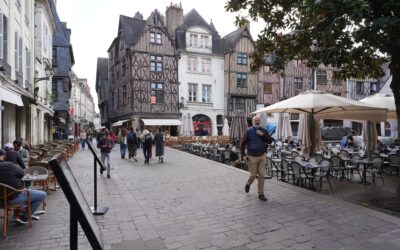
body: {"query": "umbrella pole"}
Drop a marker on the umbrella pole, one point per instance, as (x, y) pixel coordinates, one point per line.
(312, 135)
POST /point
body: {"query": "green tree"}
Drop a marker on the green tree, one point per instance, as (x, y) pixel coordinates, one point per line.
(354, 36)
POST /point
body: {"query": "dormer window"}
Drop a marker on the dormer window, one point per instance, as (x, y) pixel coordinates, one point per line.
(204, 41)
(193, 40)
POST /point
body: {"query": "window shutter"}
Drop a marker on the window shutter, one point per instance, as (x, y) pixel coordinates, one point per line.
(5, 38)
(1, 35)
(20, 54)
(16, 51)
(28, 66)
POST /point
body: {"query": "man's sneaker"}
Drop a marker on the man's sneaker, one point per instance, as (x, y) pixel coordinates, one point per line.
(101, 170)
(35, 217)
(21, 219)
(262, 197)
(247, 188)
(162, 160)
(108, 176)
(135, 159)
(39, 212)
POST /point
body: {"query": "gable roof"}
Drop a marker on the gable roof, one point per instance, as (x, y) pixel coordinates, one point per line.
(229, 41)
(102, 70)
(132, 28)
(193, 18)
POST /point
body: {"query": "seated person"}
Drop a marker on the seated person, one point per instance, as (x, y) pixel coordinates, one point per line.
(350, 139)
(19, 149)
(394, 144)
(11, 175)
(381, 147)
(13, 156)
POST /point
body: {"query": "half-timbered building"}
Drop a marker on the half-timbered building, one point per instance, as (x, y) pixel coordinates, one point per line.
(241, 85)
(143, 74)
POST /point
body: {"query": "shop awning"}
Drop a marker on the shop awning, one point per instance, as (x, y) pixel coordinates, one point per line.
(119, 123)
(161, 122)
(11, 97)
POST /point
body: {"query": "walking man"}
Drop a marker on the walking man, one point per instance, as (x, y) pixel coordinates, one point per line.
(82, 137)
(132, 140)
(147, 138)
(256, 139)
(105, 145)
(159, 143)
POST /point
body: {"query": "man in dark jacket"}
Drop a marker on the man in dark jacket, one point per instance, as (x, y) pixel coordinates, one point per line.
(106, 144)
(13, 156)
(256, 139)
(11, 175)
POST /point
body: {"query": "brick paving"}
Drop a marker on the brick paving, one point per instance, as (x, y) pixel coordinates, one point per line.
(192, 203)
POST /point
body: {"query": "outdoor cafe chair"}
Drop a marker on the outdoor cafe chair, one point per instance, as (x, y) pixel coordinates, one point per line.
(6, 192)
(351, 167)
(272, 169)
(324, 172)
(337, 165)
(298, 158)
(295, 153)
(394, 163)
(300, 175)
(373, 155)
(344, 152)
(319, 157)
(287, 172)
(376, 168)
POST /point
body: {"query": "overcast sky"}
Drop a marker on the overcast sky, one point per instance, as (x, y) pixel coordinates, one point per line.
(94, 25)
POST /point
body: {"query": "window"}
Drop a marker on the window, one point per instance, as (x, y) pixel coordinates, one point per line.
(192, 64)
(158, 38)
(298, 84)
(16, 64)
(118, 102)
(206, 91)
(373, 87)
(192, 92)
(156, 64)
(54, 90)
(238, 104)
(157, 92)
(124, 99)
(112, 100)
(192, 40)
(321, 77)
(54, 59)
(205, 65)
(3, 37)
(20, 54)
(152, 37)
(204, 41)
(242, 58)
(241, 79)
(267, 88)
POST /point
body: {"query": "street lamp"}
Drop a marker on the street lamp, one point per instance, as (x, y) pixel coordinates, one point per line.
(49, 72)
(313, 48)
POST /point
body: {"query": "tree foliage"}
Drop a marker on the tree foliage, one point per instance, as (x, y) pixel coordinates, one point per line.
(354, 36)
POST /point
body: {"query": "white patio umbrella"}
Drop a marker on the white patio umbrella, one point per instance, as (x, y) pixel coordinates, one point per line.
(322, 105)
(225, 128)
(284, 127)
(182, 131)
(189, 125)
(309, 130)
(385, 101)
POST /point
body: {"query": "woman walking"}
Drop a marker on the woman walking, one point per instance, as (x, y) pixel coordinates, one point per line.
(159, 143)
(122, 141)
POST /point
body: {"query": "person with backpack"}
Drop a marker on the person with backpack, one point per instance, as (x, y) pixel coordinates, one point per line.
(132, 140)
(106, 144)
(147, 138)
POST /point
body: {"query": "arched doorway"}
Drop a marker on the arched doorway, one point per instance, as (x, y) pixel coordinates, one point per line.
(202, 125)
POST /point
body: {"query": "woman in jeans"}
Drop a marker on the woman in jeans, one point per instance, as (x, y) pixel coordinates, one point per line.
(122, 141)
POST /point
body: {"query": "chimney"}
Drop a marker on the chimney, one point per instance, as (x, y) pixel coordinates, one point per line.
(174, 18)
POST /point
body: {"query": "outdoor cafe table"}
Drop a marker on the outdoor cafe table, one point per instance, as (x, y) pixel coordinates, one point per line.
(37, 178)
(364, 162)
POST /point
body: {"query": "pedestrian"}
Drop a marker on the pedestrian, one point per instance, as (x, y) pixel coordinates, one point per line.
(147, 138)
(132, 140)
(122, 142)
(24, 153)
(256, 139)
(159, 140)
(82, 138)
(105, 145)
(139, 133)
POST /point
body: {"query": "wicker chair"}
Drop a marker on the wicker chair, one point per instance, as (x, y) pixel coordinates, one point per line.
(5, 193)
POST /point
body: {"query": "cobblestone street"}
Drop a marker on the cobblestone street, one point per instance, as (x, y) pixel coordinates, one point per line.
(193, 203)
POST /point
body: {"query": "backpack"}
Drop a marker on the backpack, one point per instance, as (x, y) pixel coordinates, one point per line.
(130, 138)
(147, 138)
